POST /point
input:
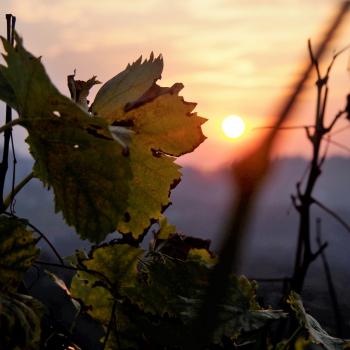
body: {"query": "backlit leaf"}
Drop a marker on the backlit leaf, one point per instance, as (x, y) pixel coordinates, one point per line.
(127, 86)
(153, 178)
(74, 153)
(317, 334)
(89, 175)
(115, 265)
(164, 127)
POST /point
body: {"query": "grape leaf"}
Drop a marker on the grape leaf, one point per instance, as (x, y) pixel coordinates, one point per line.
(74, 152)
(88, 173)
(165, 228)
(153, 178)
(317, 334)
(164, 128)
(17, 252)
(118, 265)
(79, 89)
(126, 87)
(26, 77)
(166, 124)
(20, 321)
(154, 290)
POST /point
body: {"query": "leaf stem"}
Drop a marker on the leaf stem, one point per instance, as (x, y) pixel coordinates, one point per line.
(10, 124)
(18, 188)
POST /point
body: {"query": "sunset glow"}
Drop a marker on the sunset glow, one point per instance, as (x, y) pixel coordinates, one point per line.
(233, 126)
(231, 63)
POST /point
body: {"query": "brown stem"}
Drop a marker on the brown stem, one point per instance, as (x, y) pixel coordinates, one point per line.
(11, 20)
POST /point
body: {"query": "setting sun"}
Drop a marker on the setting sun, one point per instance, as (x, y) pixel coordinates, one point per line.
(233, 126)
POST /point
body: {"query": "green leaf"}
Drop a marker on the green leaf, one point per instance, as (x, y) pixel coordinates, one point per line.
(113, 271)
(155, 294)
(164, 128)
(74, 153)
(17, 252)
(317, 334)
(165, 228)
(127, 86)
(153, 178)
(89, 175)
(7, 94)
(20, 321)
(115, 267)
(166, 124)
(27, 79)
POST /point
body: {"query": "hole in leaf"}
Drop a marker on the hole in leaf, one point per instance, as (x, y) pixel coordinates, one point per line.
(127, 217)
(76, 146)
(156, 153)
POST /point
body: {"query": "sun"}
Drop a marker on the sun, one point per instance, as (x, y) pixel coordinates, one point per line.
(233, 126)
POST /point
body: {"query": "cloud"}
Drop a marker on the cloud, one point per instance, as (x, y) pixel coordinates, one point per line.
(228, 53)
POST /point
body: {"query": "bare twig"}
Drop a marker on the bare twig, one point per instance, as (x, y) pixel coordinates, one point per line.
(331, 288)
(110, 325)
(335, 119)
(324, 156)
(333, 214)
(335, 56)
(11, 20)
(10, 124)
(73, 268)
(314, 61)
(320, 250)
(41, 234)
(339, 130)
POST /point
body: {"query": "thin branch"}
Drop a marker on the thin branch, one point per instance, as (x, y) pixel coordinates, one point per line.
(314, 61)
(331, 288)
(10, 124)
(73, 268)
(319, 250)
(14, 163)
(332, 213)
(287, 127)
(308, 133)
(335, 57)
(42, 236)
(110, 324)
(340, 145)
(339, 130)
(337, 116)
(11, 20)
(325, 99)
(323, 158)
(18, 188)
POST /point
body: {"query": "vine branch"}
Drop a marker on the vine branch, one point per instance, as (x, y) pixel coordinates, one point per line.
(332, 213)
(18, 188)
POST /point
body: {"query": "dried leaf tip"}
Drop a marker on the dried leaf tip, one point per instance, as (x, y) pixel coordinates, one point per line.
(79, 89)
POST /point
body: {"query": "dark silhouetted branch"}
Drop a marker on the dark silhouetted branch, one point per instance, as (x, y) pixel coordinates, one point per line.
(331, 288)
(332, 213)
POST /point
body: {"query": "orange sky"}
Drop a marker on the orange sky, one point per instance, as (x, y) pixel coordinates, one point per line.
(233, 56)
